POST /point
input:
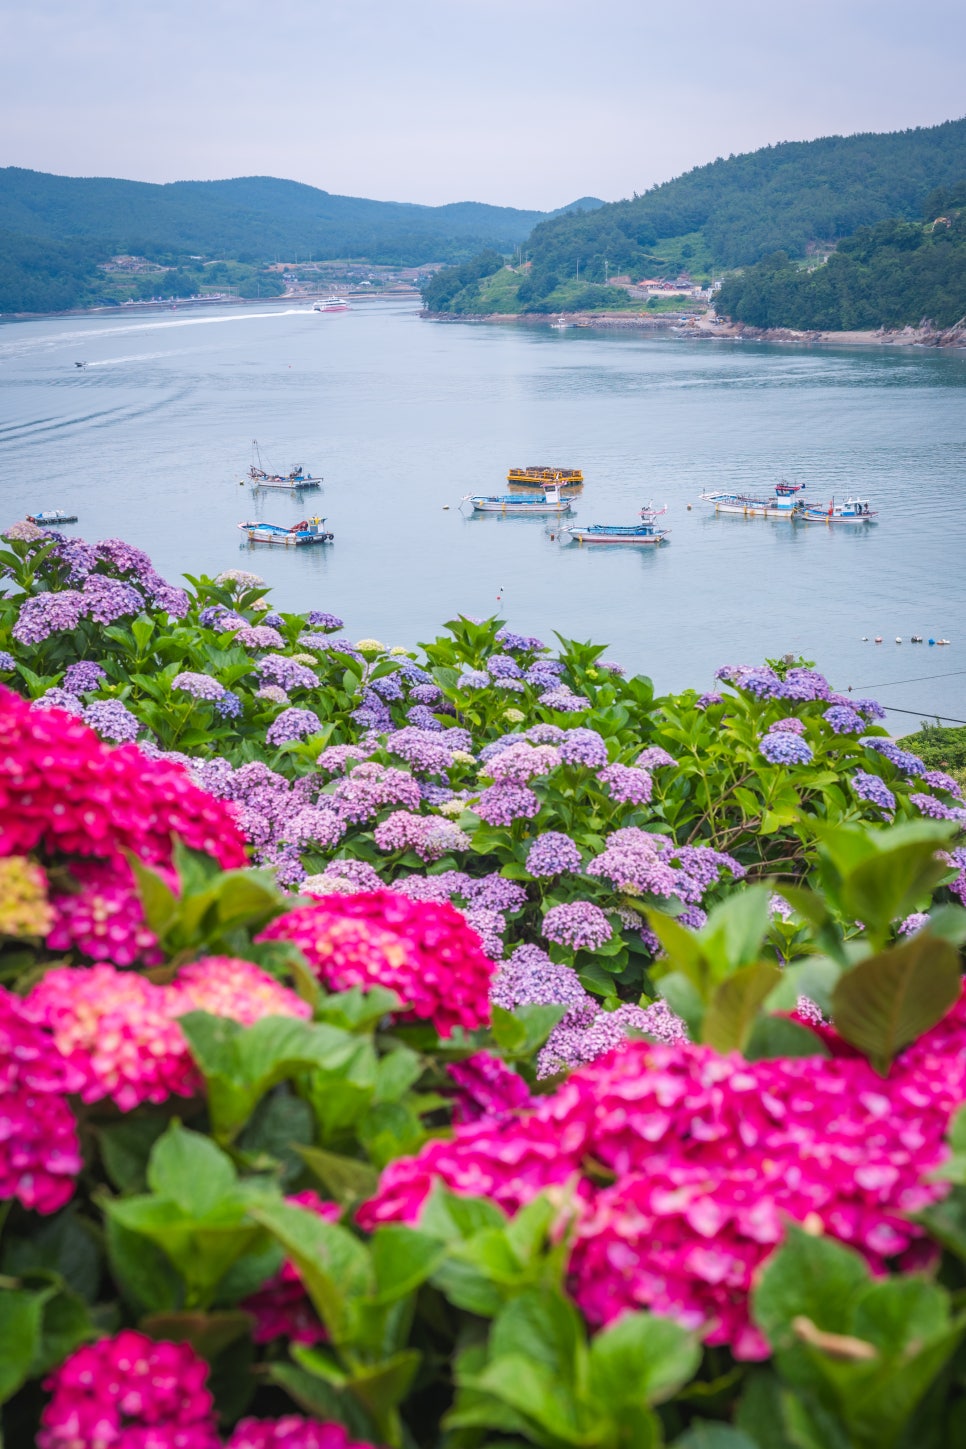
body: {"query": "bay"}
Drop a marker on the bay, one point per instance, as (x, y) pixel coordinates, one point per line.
(149, 440)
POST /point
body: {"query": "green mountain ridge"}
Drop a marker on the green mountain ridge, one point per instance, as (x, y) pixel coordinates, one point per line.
(252, 218)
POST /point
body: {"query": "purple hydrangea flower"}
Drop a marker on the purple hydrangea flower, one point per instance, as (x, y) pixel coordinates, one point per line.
(519, 643)
(287, 673)
(570, 1046)
(543, 675)
(705, 701)
(503, 803)
(905, 762)
(489, 926)
(77, 559)
(937, 780)
(871, 708)
(495, 892)
(473, 679)
(521, 762)
(343, 646)
(211, 617)
(843, 720)
(326, 622)
(438, 888)
(913, 923)
(259, 636)
(425, 694)
(758, 680)
(273, 620)
(107, 600)
(563, 701)
(627, 784)
(388, 687)
(371, 787)
(579, 924)
(292, 724)
(786, 749)
(542, 734)
(229, 706)
(272, 693)
(613, 667)
(935, 809)
(336, 759)
(7, 662)
(653, 758)
(44, 614)
(583, 747)
(423, 718)
(59, 699)
(199, 686)
(530, 978)
(425, 750)
(359, 872)
(124, 556)
(633, 861)
(112, 720)
(410, 670)
(314, 825)
(164, 596)
(871, 788)
(504, 666)
(805, 684)
(789, 726)
(552, 853)
(83, 677)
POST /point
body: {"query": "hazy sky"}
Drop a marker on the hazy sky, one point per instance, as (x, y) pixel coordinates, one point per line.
(519, 102)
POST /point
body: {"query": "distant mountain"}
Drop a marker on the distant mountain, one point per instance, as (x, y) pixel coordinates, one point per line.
(734, 212)
(253, 218)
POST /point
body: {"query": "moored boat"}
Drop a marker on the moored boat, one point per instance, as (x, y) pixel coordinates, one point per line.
(784, 503)
(643, 533)
(298, 478)
(49, 516)
(550, 503)
(307, 531)
(540, 477)
(853, 510)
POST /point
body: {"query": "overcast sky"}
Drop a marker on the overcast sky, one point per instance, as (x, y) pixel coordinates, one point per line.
(531, 103)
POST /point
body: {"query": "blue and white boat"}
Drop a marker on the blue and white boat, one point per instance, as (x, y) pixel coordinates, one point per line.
(784, 503)
(549, 503)
(853, 510)
(307, 531)
(643, 533)
(50, 516)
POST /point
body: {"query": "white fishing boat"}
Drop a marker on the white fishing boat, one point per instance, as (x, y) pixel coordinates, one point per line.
(49, 516)
(641, 534)
(331, 304)
(550, 503)
(305, 533)
(853, 510)
(560, 324)
(785, 502)
(261, 477)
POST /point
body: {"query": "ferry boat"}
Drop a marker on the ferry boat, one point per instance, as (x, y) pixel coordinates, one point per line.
(643, 533)
(551, 502)
(50, 516)
(785, 503)
(307, 531)
(853, 510)
(331, 304)
(540, 477)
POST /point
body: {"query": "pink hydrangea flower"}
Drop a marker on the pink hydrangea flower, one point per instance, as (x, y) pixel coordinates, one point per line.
(291, 1432)
(488, 1089)
(39, 1149)
(130, 1392)
(104, 919)
(226, 986)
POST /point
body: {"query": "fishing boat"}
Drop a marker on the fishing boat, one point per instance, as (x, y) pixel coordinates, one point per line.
(643, 533)
(541, 477)
(560, 324)
(550, 502)
(785, 502)
(331, 304)
(51, 516)
(853, 510)
(306, 532)
(262, 477)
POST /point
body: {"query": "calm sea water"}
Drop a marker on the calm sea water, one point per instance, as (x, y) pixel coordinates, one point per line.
(403, 417)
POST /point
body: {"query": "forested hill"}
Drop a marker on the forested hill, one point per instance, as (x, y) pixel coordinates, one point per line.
(252, 218)
(735, 211)
(895, 274)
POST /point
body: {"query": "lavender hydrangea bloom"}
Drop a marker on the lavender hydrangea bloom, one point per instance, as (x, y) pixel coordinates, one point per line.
(423, 718)
(786, 749)
(77, 559)
(564, 701)
(937, 780)
(503, 803)
(503, 666)
(438, 888)
(362, 875)
(107, 600)
(760, 681)
(543, 675)
(805, 684)
(627, 784)
(789, 726)
(542, 734)
(112, 720)
(473, 679)
(229, 706)
(569, 1046)
(240, 579)
(83, 677)
(495, 892)
(519, 643)
(199, 686)
(410, 670)
(320, 620)
(521, 762)
(871, 708)
(370, 787)
(935, 809)
(272, 693)
(59, 699)
(336, 759)
(124, 556)
(552, 853)
(584, 747)
(44, 614)
(7, 662)
(705, 701)
(871, 788)
(843, 720)
(612, 667)
(653, 758)
(164, 596)
(259, 636)
(905, 762)
(579, 924)
(287, 673)
(489, 926)
(343, 646)
(292, 724)
(425, 750)
(273, 620)
(530, 978)
(388, 687)
(633, 861)
(913, 923)
(211, 617)
(314, 825)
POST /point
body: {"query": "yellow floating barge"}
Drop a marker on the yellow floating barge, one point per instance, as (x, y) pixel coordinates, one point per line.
(568, 479)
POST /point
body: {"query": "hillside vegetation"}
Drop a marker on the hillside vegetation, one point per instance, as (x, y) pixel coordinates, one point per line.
(734, 212)
(895, 274)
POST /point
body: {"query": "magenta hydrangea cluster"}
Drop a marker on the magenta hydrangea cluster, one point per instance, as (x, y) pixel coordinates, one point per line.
(39, 1149)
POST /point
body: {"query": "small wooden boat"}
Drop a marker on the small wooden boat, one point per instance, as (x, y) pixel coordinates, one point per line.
(50, 516)
(308, 531)
(643, 533)
(549, 503)
(539, 477)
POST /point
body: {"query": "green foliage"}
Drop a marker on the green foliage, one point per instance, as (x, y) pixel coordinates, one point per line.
(940, 747)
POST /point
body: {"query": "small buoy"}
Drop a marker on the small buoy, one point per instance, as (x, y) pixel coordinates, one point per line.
(932, 641)
(689, 508)
(445, 507)
(878, 639)
(942, 641)
(898, 639)
(865, 638)
(916, 639)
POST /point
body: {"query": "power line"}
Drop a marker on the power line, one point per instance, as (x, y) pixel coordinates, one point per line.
(920, 712)
(920, 679)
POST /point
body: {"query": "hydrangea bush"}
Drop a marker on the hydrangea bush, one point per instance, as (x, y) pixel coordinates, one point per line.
(461, 1046)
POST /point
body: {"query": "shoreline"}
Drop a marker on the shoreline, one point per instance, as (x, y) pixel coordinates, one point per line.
(707, 328)
(122, 309)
